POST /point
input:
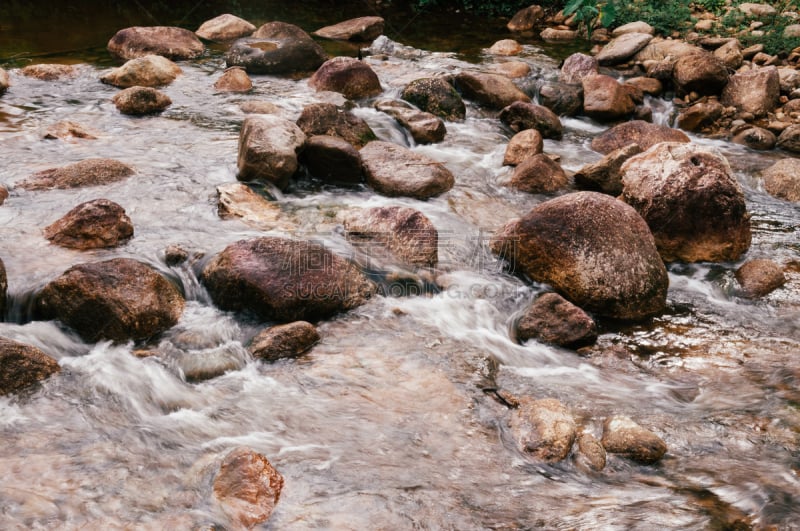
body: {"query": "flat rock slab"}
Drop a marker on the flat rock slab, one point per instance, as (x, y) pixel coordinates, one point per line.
(168, 41)
(225, 28)
(393, 170)
(89, 172)
(623, 47)
(362, 29)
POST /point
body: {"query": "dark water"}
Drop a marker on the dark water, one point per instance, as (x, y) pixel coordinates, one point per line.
(385, 424)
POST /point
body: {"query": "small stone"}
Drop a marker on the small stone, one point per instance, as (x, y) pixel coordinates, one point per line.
(505, 47)
(553, 319)
(175, 255)
(137, 101)
(760, 277)
(66, 130)
(96, 224)
(23, 365)
(48, 72)
(543, 428)
(147, 71)
(284, 341)
(248, 487)
(234, 79)
(224, 28)
(523, 145)
(623, 436)
(591, 453)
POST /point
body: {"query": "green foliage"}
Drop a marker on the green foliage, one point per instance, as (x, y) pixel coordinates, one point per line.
(490, 7)
(713, 6)
(665, 16)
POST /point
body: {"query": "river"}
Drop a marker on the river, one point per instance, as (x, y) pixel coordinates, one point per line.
(387, 422)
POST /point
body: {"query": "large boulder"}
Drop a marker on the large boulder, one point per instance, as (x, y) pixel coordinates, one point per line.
(234, 79)
(639, 132)
(94, 224)
(327, 119)
(730, 54)
(247, 487)
(522, 115)
(526, 19)
(146, 71)
(700, 72)
(268, 149)
(138, 101)
(543, 428)
(605, 175)
(753, 91)
(333, 160)
(436, 96)
(171, 42)
(553, 319)
(691, 201)
(278, 279)
(538, 174)
(224, 28)
(576, 67)
(362, 29)
(622, 48)
(406, 234)
(759, 277)
(424, 127)
(523, 145)
(605, 99)
(348, 76)
(490, 90)
(119, 299)
(594, 250)
(23, 365)
(89, 172)
(561, 98)
(393, 170)
(782, 179)
(276, 48)
(284, 341)
(623, 436)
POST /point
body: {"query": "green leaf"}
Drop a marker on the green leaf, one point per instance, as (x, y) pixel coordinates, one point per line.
(608, 14)
(573, 5)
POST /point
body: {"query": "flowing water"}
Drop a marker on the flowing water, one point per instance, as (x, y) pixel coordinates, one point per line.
(389, 422)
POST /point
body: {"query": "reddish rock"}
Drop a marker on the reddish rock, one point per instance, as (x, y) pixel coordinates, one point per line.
(576, 67)
(755, 91)
(700, 72)
(268, 149)
(523, 145)
(623, 436)
(425, 128)
(66, 130)
(526, 19)
(605, 175)
(247, 487)
(234, 79)
(539, 174)
(730, 54)
(789, 139)
(605, 99)
(393, 170)
(782, 179)
(700, 115)
(170, 42)
(333, 160)
(756, 138)
(22, 366)
(348, 76)
(224, 28)
(48, 72)
(623, 47)
(407, 234)
(561, 98)
(327, 119)
(436, 96)
(362, 29)
(89, 172)
(591, 453)
(284, 341)
(553, 319)
(543, 428)
(647, 85)
(139, 101)
(276, 48)
(146, 71)
(521, 115)
(95, 224)
(490, 90)
(760, 277)
(638, 132)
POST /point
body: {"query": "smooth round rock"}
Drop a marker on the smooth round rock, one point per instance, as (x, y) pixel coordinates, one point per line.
(247, 487)
(553, 319)
(623, 436)
(146, 71)
(782, 179)
(139, 101)
(393, 170)
(523, 145)
(348, 76)
(284, 341)
(268, 149)
(436, 96)
(224, 28)
(96, 224)
(168, 41)
(638, 132)
(407, 234)
(760, 277)
(22, 366)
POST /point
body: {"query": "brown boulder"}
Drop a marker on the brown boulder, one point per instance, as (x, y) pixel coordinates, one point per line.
(48, 72)
(234, 79)
(647, 85)
(224, 28)
(523, 145)
(407, 234)
(268, 149)
(605, 175)
(591, 453)
(393, 170)
(543, 428)
(754, 91)
(558, 35)
(789, 139)
(760, 277)
(348, 76)
(276, 48)
(730, 54)
(553, 319)
(66, 130)
(699, 72)
(665, 49)
(622, 48)
(436, 96)
(490, 90)
(700, 115)
(146, 71)
(594, 250)
(23, 365)
(505, 47)
(333, 160)
(284, 341)
(327, 119)
(526, 19)
(94, 224)
(538, 174)
(782, 179)
(605, 99)
(638, 132)
(511, 69)
(120, 299)
(171, 42)
(237, 200)
(363, 29)
(521, 115)
(691, 201)
(425, 128)
(89, 172)
(576, 67)
(247, 487)
(756, 138)
(623, 436)
(561, 98)
(137, 101)
(284, 280)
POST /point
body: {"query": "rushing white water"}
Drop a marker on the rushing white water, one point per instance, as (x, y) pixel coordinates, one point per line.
(384, 424)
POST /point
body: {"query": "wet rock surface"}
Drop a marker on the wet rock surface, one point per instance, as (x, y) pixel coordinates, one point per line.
(146, 71)
(543, 428)
(276, 48)
(490, 90)
(284, 341)
(393, 170)
(605, 175)
(333, 160)
(407, 234)
(247, 487)
(89, 172)
(139, 101)
(638, 132)
(268, 149)
(327, 119)
(95, 224)
(538, 174)
(348, 76)
(170, 42)
(22, 366)
(760, 277)
(234, 79)
(523, 145)
(623, 436)
(424, 127)
(48, 72)
(553, 319)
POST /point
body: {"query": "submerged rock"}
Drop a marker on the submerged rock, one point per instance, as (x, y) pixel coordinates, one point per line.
(3, 290)
(171, 42)
(119, 299)
(623, 436)
(4, 84)
(94, 224)
(138, 101)
(89, 172)
(782, 179)
(284, 280)
(284, 341)
(760, 277)
(553, 319)
(234, 79)
(65, 130)
(424, 127)
(348, 76)
(268, 149)
(591, 453)
(520, 116)
(247, 487)
(327, 119)
(523, 145)
(333, 160)
(362, 29)
(538, 174)
(224, 28)
(691, 201)
(48, 72)
(237, 200)
(407, 234)
(490, 90)
(393, 170)
(638, 132)
(276, 48)
(543, 428)
(436, 96)
(146, 71)
(22, 366)
(593, 249)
